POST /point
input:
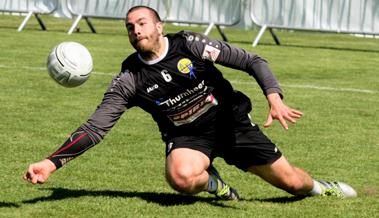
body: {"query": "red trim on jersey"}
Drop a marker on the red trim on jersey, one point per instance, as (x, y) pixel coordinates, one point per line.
(69, 145)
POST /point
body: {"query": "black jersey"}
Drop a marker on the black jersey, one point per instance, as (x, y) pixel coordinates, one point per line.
(182, 89)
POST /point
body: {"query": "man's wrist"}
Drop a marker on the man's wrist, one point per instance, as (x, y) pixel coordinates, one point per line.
(51, 165)
(273, 97)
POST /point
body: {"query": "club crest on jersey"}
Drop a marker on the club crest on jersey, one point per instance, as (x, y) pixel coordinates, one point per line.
(211, 53)
(185, 66)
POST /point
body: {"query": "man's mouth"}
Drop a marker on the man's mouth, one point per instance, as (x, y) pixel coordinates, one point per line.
(141, 38)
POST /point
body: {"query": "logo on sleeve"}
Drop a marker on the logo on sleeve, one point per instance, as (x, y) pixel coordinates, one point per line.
(211, 53)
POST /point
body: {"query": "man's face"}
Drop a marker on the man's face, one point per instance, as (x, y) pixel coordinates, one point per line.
(143, 30)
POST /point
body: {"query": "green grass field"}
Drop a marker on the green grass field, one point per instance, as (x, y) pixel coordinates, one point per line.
(332, 78)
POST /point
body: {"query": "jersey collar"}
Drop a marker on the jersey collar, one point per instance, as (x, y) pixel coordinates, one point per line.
(159, 58)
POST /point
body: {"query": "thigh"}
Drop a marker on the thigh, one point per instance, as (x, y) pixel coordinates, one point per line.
(251, 148)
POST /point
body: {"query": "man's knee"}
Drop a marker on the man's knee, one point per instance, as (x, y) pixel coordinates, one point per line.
(185, 170)
(181, 179)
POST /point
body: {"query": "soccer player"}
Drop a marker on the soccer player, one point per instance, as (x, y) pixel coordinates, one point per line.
(199, 114)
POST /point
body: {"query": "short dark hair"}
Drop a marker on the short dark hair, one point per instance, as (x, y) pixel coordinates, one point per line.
(154, 12)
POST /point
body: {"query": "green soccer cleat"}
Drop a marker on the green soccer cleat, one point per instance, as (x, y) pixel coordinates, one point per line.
(223, 191)
(338, 189)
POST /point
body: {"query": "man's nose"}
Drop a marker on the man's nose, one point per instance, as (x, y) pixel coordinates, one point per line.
(137, 30)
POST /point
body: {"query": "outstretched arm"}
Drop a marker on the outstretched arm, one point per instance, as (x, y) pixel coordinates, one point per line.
(76, 144)
(236, 58)
(89, 134)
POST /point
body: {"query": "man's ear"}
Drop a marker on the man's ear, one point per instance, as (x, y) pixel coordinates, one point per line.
(160, 26)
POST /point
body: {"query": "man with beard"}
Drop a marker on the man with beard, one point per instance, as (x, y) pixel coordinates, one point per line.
(199, 114)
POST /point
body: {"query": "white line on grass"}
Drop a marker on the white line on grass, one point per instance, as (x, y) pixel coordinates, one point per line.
(315, 87)
(297, 86)
(330, 88)
(44, 68)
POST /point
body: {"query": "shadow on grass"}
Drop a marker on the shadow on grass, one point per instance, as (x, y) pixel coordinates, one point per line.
(163, 199)
(8, 204)
(282, 200)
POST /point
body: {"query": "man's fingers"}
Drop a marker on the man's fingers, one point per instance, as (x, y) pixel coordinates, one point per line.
(283, 116)
(283, 122)
(295, 115)
(297, 112)
(30, 176)
(26, 178)
(40, 179)
(290, 118)
(34, 179)
(268, 122)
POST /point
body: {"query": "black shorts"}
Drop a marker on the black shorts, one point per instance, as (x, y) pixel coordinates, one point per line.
(241, 144)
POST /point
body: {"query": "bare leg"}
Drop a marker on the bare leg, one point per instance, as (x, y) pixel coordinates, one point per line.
(283, 175)
(186, 170)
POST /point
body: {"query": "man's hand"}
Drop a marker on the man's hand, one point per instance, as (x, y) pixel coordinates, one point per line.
(280, 111)
(39, 172)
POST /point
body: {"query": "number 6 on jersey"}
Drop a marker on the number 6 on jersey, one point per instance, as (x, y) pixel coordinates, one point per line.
(166, 76)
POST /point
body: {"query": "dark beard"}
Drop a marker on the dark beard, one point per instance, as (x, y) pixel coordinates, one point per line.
(146, 53)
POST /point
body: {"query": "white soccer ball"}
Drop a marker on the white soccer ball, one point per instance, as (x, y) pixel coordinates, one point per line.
(69, 64)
